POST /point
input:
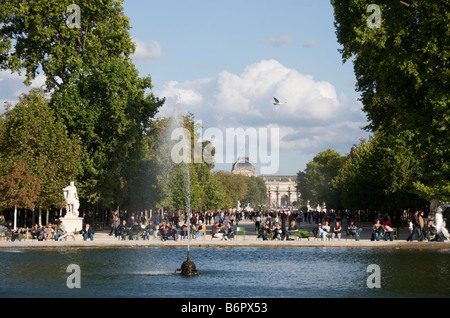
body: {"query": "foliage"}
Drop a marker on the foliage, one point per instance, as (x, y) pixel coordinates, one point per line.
(402, 72)
(314, 183)
(95, 88)
(37, 156)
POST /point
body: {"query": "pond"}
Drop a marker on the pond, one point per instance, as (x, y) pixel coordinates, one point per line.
(140, 272)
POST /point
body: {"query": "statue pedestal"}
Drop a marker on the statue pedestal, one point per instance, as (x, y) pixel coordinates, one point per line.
(72, 223)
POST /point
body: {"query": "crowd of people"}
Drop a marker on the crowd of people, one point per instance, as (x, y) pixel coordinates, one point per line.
(56, 232)
(269, 225)
(172, 227)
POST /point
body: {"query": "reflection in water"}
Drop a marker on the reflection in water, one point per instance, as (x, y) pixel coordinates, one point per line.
(234, 272)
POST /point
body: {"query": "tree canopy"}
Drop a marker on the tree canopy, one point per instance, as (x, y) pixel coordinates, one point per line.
(402, 72)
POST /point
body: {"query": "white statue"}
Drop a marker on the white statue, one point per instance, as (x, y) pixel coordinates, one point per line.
(72, 202)
(440, 226)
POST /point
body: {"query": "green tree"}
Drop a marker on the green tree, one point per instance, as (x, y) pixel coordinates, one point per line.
(36, 153)
(378, 175)
(402, 72)
(314, 183)
(234, 186)
(256, 192)
(95, 88)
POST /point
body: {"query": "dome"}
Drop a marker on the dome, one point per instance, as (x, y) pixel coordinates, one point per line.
(244, 166)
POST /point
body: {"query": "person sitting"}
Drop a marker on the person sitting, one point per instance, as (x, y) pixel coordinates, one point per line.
(17, 234)
(164, 231)
(292, 230)
(173, 233)
(352, 229)
(430, 230)
(337, 229)
(60, 232)
(216, 230)
(35, 232)
(198, 230)
(149, 230)
(228, 232)
(47, 232)
(323, 230)
(388, 230)
(277, 232)
(377, 230)
(135, 230)
(87, 232)
(184, 231)
(123, 230)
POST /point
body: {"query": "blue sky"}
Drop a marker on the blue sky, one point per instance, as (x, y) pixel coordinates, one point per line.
(223, 61)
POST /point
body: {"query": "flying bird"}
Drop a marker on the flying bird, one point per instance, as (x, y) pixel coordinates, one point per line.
(277, 102)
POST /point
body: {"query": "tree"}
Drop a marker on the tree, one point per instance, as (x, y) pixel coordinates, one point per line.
(234, 186)
(256, 192)
(377, 176)
(402, 72)
(95, 88)
(37, 156)
(315, 182)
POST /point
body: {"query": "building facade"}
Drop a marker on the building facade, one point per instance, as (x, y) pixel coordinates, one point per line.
(281, 190)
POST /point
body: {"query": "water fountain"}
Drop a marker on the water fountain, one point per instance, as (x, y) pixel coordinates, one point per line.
(187, 267)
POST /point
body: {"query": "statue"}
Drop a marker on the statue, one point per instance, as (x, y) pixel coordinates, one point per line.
(72, 202)
(439, 217)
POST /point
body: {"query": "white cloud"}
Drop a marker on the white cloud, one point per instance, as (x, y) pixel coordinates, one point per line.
(280, 40)
(313, 119)
(12, 86)
(311, 43)
(147, 51)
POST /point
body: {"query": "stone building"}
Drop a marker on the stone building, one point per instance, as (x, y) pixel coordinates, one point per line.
(281, 190)
(244, 167)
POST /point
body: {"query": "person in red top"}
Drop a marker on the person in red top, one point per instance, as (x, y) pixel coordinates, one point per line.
(387, 225)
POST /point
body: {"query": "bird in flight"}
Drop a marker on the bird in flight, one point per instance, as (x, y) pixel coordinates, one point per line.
(277, 102)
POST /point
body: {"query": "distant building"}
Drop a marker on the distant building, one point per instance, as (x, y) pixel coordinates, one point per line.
(244, 167)
(281, 190)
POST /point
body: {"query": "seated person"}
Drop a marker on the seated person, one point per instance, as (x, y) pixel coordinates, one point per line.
(292, 230)
(377, 230)
(173, 233)
(266, 232)
(216, 230)
(135, 230)
(60, 231)
(17, 234)
(184, 231)
(198, 230)
(430, 230)
(124, 230)
(47, 232)
(337, 230)
(352, 229)
(164, 230)
(228, 232)
(323, 230)
(35, 232)
(277, 232)
(88, 231)
(149, 230)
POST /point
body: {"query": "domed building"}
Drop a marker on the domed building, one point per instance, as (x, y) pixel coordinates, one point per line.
(244, 167)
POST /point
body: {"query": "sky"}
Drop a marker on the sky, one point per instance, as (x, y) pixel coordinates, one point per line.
(224, 61)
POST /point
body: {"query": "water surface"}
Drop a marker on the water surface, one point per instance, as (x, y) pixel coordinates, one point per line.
(225, 272)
